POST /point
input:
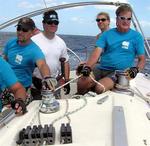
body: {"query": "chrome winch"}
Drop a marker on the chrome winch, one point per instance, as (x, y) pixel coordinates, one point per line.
(122, 81)
(49, 104)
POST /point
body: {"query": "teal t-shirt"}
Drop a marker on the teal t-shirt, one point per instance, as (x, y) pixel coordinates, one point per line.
(119, 49)
(23, 59)
(7, 77)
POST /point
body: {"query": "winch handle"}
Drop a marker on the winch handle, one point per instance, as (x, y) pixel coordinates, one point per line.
(62, 61)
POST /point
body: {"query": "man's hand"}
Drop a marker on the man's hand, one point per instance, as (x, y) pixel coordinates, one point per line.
(86, 70)
(67, 88)
(79, 68)
(19, 106)
(132, 72)
(49, 83)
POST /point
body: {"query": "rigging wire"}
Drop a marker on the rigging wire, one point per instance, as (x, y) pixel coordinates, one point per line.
(45, 4)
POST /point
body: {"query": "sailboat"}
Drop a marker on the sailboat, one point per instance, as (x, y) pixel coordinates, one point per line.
(119, 117)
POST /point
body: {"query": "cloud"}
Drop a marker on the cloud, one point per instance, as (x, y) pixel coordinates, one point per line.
(77, 19)
(28, 5)
(3, 19)
(145, 23)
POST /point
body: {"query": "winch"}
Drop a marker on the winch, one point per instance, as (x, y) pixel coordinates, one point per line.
(122, 81)
(49, 104)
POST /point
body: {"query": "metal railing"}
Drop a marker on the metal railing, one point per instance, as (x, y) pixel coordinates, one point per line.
(71, 5)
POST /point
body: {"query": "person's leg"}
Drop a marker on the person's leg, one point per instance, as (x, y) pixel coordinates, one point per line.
(37, 82)
(84, 84)
(106, 84)
(36, 89)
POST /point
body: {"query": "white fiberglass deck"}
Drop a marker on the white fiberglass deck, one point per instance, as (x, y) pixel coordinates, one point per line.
(94, 124)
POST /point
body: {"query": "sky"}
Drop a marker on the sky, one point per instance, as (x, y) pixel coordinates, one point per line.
(75, 21)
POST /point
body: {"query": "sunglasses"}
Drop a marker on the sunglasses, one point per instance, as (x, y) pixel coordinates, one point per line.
(124, 18)
(103, 19)
(52, 22)
(20, 28)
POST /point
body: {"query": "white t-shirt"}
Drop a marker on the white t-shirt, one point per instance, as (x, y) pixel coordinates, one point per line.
(53, 50)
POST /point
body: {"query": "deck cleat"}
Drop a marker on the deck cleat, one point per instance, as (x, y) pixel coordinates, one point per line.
(65, 134)
(36, 135)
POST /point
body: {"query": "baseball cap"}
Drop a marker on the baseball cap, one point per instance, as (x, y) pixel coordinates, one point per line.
(50, 15)
(26, 23)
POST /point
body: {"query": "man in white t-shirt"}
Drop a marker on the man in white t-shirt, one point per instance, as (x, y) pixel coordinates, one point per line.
(53, 47)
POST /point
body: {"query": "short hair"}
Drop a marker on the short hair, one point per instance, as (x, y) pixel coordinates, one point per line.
(26, 22)
(105, 14)
(123, 8)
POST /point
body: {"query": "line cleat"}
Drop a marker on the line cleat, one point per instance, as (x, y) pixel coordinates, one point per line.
(65, 134)
(37, 135)
(21, 137)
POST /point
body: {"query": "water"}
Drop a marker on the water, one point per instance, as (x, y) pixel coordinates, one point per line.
(81, 45)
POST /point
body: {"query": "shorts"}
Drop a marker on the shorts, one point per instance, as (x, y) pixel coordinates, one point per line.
(101, 73)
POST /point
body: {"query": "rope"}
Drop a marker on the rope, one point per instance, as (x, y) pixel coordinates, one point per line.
(98, 84)
(67, 83)
(71, 112)
(37, 114)
(139, 94)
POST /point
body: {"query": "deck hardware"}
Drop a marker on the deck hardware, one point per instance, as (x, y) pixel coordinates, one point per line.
(49, 104)
(65, 133)
(119, 127)
(145, 141)
(102, 100)
(148, 115)
(36, 135)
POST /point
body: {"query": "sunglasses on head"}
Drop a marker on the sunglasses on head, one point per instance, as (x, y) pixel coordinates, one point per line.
(20, 28)
(52, 22)
(102, 19)
(124, 18)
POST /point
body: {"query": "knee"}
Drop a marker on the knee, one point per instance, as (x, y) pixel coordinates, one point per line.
(99, 89)
(83, 85)
(104, 85)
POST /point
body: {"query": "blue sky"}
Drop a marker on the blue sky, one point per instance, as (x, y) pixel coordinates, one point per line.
(76, 21)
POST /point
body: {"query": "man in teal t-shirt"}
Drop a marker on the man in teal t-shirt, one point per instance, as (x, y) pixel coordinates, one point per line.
(24, 55)
(117, 49)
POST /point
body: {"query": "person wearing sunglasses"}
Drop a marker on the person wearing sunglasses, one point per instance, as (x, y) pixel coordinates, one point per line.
(24, 55)
(54, 49)
(118, 47)
(103, 22)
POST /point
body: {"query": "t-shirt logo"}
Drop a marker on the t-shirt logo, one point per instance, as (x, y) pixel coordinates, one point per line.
(125, 45)
(18, 59)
